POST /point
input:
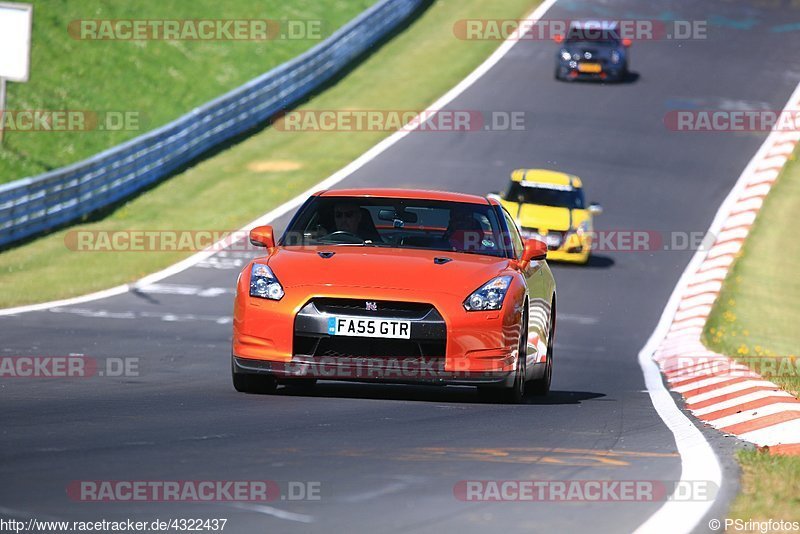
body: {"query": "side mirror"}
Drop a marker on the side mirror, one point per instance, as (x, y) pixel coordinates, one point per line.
(595, 208)
(627, 42)
(535, 249)
(262, 236)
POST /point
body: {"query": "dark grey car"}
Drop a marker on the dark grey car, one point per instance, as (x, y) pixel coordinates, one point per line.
(593, 51)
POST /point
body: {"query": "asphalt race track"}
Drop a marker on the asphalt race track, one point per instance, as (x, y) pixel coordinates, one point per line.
(388, 457)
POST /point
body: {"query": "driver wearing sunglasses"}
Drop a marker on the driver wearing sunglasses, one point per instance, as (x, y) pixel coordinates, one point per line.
(347, 217)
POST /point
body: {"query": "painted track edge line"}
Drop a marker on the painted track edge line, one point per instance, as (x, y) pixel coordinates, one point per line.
(284, 208)
(698, 459)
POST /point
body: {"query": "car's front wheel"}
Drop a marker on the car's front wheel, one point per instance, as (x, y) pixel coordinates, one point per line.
(624, 73)
(516, 393)
(541, 386)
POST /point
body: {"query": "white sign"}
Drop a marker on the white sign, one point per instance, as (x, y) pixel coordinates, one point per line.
(15, 41)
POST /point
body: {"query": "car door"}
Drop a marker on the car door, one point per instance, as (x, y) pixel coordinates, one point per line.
(538, 299)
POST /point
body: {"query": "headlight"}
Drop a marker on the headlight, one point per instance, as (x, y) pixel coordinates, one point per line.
(490, 296)
(565, 55)
(264, 284)
(615, 57)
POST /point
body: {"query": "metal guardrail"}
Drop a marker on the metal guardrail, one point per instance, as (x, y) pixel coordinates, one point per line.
(35, 205)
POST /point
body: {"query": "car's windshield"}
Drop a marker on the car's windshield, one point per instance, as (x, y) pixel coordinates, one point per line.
(594, 35)
(398, 223)
(561, 197)
(601, 41)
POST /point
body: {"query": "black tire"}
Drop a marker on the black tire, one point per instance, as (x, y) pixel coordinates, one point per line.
(624, 73)
(516, 393)
(541, 386)
(253, 383)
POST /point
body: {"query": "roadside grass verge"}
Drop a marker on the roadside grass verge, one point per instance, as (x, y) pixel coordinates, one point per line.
(155, 81)
(755, 320)
(757, 314)
(770, 489)
(241, 183)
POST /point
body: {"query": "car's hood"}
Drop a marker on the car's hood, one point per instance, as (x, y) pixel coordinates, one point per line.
(387, 268)
(545, 217)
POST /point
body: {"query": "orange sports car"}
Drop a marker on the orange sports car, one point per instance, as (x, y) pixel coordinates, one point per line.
(401, 286)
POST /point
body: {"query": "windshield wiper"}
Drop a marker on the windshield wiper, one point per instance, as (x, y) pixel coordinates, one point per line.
(333, 242)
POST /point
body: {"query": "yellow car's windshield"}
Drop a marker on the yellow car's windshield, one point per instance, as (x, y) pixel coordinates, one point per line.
(560, 197)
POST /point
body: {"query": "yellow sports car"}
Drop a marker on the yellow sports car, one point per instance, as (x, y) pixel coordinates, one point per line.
(550, 205)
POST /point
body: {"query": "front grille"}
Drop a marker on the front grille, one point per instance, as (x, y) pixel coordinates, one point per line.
(360, 347)
(378, 348)
(358, 307)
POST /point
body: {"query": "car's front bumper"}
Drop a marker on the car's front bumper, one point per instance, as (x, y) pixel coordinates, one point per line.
(370, 370)
(571, 248)
(568, 257)
(449, 345)
(607, 72)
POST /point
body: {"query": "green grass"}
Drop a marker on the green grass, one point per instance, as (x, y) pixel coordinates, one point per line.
(756, 314)
(158, 80)
(231, 189)
(770, 488)
(755, 320)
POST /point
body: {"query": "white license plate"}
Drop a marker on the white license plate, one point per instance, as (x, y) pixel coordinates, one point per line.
(367, 327)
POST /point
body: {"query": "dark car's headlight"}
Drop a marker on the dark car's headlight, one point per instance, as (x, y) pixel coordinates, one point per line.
(566, 56)
(615, 57)
(489, 296)
(264, 284)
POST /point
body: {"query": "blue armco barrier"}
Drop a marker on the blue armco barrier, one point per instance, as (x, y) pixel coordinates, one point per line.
(36, 205)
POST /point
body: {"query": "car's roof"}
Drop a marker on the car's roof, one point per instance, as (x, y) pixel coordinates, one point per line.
(593, 25)
(418, 194)
(546, 177)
